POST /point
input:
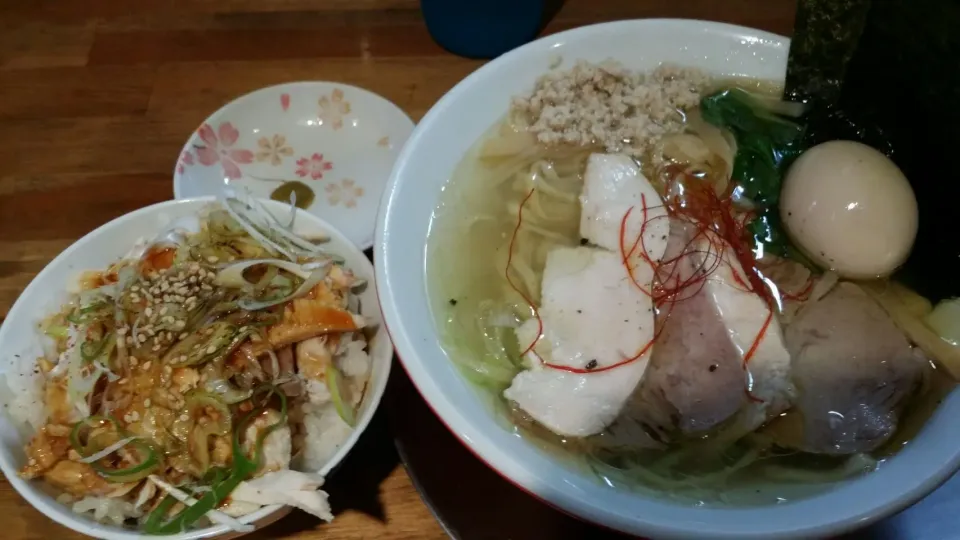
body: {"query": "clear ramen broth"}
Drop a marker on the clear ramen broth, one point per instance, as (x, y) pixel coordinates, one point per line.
(514, 199)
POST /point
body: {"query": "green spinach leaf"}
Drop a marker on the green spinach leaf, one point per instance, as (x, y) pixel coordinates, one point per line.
(766, 145)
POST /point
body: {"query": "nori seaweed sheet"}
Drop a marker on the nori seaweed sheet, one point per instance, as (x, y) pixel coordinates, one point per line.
(886, 73)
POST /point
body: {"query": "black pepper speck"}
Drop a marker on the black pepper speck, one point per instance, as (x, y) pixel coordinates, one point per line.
(592, 364)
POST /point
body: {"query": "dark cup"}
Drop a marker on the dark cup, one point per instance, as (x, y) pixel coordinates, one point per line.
(482, 28)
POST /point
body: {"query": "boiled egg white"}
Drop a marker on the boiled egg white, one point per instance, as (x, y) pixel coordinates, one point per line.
(850, 209)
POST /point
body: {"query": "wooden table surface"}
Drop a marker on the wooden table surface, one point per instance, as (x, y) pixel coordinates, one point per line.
(98, 96)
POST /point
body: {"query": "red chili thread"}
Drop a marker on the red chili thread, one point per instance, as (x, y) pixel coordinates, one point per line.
(506, 273)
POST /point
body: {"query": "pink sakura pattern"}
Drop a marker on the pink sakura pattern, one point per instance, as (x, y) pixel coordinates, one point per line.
(186, 159)
(346, 192)
(334, 108)
(285, 101)
(313, 166)
(217, 149)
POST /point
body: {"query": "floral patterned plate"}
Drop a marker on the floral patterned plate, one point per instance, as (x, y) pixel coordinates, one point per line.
(329, 146)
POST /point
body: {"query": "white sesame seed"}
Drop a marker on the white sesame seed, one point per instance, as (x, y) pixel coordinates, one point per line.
(183, 358)
(163, 310)
(211, 259)
(146, 402)
(184, 417)
(183, 335)
(122, 381)
(148, 312)
(122, 331)
(211, 349)
(146, 365)
(133, 360)
(135, 288)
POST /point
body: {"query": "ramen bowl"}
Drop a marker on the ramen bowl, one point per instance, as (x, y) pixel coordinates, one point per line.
(423, 169)
(20, 341)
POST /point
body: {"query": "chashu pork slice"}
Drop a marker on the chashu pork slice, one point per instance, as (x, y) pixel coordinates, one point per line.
(697, 378)
(593, 312)
(855, 372)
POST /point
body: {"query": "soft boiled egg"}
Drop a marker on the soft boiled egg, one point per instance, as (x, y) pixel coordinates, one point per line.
(850, 209)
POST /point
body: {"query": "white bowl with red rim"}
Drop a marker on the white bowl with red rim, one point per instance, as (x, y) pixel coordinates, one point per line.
(425, 165)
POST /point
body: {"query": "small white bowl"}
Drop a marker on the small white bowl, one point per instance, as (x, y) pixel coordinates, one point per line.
(20, 342)
(338, 140)
(439, 142)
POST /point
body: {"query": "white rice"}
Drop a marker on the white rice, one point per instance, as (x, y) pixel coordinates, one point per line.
(21, 392)
(324, 434)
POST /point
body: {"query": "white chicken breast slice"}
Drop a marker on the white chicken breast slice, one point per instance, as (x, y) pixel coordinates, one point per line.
(744, 314)
(593, 316)
(293, 488)
(612, 185)
(572, 404)
(592, 311)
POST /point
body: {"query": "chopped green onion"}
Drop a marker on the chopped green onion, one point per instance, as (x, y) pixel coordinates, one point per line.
(243, 467)
(89, 422)
(344, 409)
(205, 345)
(91, 350)
(217, 384)
(187, 427)
(155, 519)
(57, 331)
(86, 314)
(134, 473)
(130, 474)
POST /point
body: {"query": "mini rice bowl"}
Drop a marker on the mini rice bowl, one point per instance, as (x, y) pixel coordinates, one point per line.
(440, 141)
(21, 341)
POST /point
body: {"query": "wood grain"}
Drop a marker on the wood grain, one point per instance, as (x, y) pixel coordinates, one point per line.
(98, 96)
